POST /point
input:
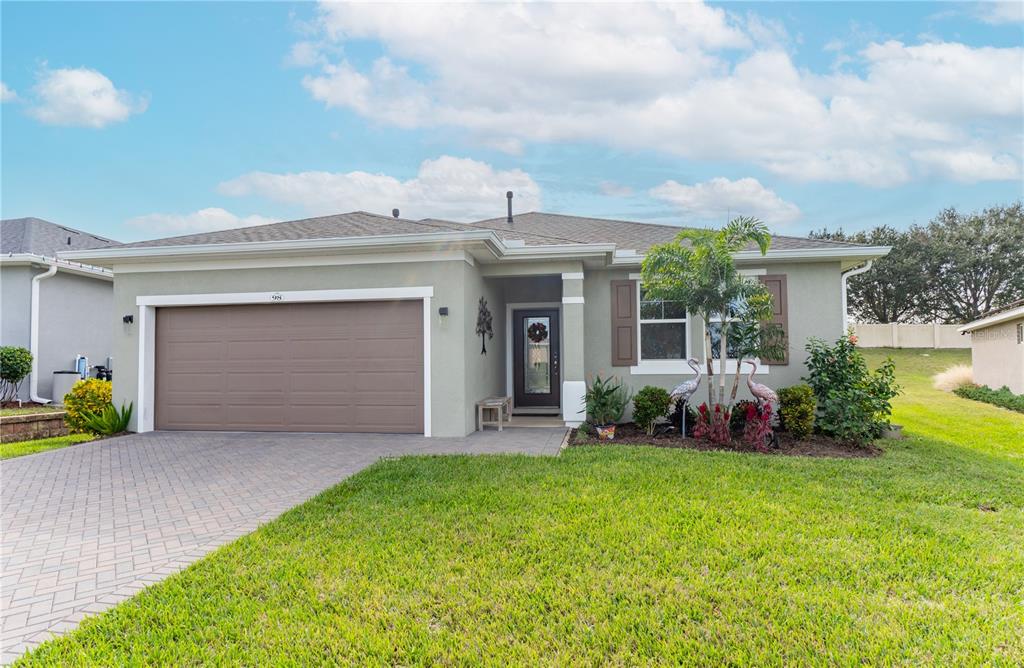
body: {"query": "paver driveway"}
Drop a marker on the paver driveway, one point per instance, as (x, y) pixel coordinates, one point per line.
(88, 526)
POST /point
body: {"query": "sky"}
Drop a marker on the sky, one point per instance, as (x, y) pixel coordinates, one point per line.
(142, 120)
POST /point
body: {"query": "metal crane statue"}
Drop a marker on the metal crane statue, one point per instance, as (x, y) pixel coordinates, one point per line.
(683, 392)
(761, 392)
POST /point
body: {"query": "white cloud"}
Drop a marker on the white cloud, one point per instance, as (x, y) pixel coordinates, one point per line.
(969, 166)
(204, 220)
(719, 199)
(686, 79)
(997, 13)
(451, 188)
(82, 97)
(7, 94)
(613, 189)
(305, 54)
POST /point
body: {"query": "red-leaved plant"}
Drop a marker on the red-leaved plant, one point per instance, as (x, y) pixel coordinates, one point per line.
(713, 424)
(758, 425)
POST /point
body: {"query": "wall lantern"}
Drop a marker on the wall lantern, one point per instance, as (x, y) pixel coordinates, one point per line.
(443, 311)
(128, 319)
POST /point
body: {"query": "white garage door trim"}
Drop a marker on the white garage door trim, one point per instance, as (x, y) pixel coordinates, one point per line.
(147, 331)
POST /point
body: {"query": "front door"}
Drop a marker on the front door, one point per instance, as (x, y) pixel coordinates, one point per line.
(535, 343)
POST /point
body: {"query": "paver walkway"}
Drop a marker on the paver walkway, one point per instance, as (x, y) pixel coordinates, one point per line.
(87, 526)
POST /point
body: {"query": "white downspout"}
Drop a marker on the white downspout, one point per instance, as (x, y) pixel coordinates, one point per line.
(33, 382)
(846, 277)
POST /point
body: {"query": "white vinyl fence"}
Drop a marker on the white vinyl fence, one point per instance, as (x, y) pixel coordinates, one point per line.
(902, 335)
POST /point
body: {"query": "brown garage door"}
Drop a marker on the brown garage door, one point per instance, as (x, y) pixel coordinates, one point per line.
(331, 367)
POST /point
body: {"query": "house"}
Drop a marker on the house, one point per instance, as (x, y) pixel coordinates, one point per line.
(58, 309)
(367, 323)
(997, 348)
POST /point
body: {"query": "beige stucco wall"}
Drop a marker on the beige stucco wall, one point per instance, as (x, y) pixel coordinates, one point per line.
(450, 412)
(997, 358)
(484, 374)
(814, 310)
(460, 375)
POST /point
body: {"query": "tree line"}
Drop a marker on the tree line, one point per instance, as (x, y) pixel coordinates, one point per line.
(953, 270)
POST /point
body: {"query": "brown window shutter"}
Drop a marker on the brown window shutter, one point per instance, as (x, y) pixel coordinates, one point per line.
(776, 284)
(624, 323)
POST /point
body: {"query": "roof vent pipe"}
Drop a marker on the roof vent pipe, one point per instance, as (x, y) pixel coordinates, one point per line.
(509, 196)
(394, 213)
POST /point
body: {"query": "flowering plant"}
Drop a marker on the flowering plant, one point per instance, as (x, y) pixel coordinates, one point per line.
(758, 425)
(853, 401)
(713, 424)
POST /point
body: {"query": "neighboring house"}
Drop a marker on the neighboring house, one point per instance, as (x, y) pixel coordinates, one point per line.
(71, 304)
(997, 348)
(359, 322)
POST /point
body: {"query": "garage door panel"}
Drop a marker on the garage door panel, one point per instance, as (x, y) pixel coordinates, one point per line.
(197, 381)
(256, 350)
(312, 382)
(301, 367)
(197, 351)
(385, 349)
(316, 350)
(382, 415)
(252, 416)
(246, 381)
(194, 415)
(384, 382)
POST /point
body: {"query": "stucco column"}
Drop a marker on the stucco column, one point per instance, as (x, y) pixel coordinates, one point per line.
(573, 383)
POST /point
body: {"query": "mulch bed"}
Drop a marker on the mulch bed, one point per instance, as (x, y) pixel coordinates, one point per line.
(23, 404)
(815, 445)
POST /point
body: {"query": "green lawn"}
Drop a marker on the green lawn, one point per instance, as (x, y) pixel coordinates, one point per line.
(19, 448)
(4, 412)
(622, 556)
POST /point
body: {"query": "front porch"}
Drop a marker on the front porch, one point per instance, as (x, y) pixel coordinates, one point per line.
(540, 317)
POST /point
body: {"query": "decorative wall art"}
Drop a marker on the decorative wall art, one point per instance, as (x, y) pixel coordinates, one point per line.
(484, 326)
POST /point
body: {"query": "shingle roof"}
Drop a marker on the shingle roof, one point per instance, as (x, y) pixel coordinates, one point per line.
(534, 229)
(41, 237)
(354, 224)
(624, 234)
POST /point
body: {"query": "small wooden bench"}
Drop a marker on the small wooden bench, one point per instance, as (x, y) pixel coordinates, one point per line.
(499, 407)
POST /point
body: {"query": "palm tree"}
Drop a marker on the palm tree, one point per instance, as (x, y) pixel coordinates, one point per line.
(698, 270)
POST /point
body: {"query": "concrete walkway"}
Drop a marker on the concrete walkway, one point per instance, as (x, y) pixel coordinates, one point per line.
(88, 526)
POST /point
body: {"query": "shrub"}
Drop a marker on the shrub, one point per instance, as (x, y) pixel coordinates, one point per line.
(738, 418)
(797, 407)
(606, 401)
(15, 364)
(953, 377)
(1002, 397)
(650, 405)
(89, 396)
(853, 402)
(108, 421)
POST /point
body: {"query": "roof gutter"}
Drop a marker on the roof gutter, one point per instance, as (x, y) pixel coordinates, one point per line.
(863, 253)
(111, 255)
(62, 265)
(498, 247)
(846, 277)
(995, 319)
(33, 382)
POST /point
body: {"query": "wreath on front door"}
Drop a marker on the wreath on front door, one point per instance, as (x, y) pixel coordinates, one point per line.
(537, 332)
